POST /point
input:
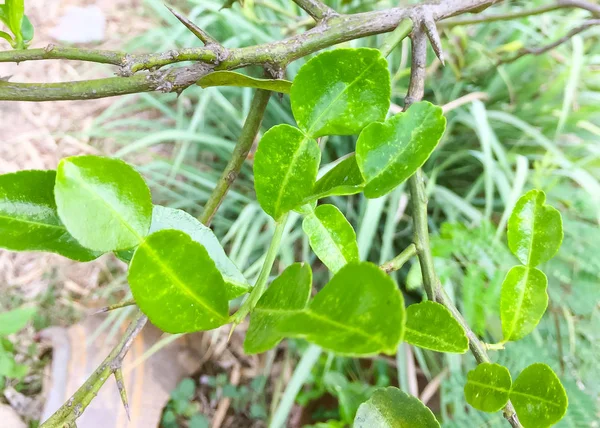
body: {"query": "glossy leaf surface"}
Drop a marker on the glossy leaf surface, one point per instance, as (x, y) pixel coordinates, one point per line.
(29, 220)
(288, 294)
(285, 169)
(523, 301)
(488, 387)
(359, 312)
(104, 203)
(534, 229)
(430, 325)
(231, 78)
(177, 285)
(539, 398)
(331, 237)
(343, 179)
(14, 320)
(171, 218)
(390, 152)
(392, 408)
(341, 91)
(15, 9)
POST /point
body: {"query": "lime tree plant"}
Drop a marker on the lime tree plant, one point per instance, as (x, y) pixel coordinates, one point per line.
(180, 276)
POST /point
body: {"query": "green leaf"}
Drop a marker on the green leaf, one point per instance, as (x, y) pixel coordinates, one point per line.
(390, 152)
(7, 365)
(104, 203)
(341, 91)
(176, 284)
(6, 37)
(430, 325)
(392, 408)
(359, 312)
(287, 295)
(3, 14)
(331, 237)
(29, 220)
(171, 218)
(15, 11)
(285, 169)
(13, 321)
(539, 398)
(488, 387)
(535, 229)
(343, 179)
(523, 301)
(230, 78)
(27, 29)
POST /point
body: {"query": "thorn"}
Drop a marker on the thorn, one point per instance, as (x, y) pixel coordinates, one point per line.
(119, 305)
(206, 38)
(122, 392)
(434, 38)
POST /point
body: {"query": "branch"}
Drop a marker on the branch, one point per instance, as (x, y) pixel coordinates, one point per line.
(317, 9)
(593, 8)
(543, 49)
(55, 52)
(128, 64)
(274, 55)
(433, 288)
(68, 413)
(170, 80)
(397, 262)
(333, 30)
(240, 153)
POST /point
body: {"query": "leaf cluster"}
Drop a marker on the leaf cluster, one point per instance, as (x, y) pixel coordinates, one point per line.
(12, 14)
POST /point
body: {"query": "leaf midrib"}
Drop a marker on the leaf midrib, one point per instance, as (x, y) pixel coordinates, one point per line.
(530, 252)
(434, 339)
(287, 176)
(519, 306)
(172, 275)
(403, 149)
(535, 397)
(485, 385)
(347, 328)
(338, 96)
(325, 231)
(35, 223)
(114, 211)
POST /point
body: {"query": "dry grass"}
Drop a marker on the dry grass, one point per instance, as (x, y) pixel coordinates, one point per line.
(37, 135)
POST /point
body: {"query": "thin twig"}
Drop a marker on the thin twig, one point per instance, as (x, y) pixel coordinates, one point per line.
(123, 304)
(261, 283)
(452, 105)
(593, 8)
(317, 9)
(68, 413)
(56, 52)
(397, 262)
(169, 80)
(239, 155)
(543, 49)
(433, 288)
